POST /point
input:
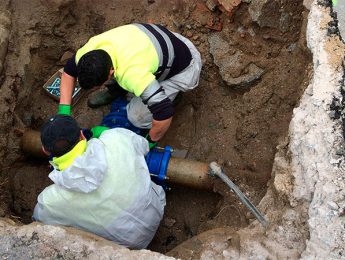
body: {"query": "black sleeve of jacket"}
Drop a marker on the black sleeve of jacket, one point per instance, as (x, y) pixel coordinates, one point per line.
(71, 67)
(162, 110)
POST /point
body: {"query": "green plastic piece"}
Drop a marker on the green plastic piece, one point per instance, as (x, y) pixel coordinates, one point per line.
(152, 144)
(98, 130)
(65, 110)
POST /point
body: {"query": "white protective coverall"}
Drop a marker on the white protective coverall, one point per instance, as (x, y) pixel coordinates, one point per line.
(107, 191)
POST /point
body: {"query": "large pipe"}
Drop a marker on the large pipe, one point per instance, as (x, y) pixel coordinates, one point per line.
(189, 173)
(184, 172)
(31, 144)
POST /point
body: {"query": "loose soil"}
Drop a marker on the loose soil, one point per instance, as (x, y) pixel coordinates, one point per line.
(239, 128)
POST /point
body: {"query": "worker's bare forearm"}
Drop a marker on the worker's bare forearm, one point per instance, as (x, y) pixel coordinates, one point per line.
(66, 88)
(159, 128)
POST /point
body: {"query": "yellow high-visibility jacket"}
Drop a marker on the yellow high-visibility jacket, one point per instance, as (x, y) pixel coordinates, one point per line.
(133, 54)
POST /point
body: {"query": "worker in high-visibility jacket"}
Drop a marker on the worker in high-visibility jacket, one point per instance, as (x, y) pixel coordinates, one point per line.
(102, 185)
(146, 60)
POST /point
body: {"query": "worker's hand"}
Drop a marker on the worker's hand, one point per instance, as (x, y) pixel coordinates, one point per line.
(98, 130)
(152, 144)
(64, 110)
(159, 128)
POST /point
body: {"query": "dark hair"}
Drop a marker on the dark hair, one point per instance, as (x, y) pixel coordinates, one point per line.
(60, 134)
(93, 68)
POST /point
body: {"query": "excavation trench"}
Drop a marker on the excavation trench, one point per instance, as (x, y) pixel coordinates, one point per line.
(254, 71)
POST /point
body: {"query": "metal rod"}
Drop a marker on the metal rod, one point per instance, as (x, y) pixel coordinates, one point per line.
(216, 170)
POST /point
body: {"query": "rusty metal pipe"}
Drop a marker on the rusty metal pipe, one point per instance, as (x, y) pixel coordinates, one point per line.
(180, 171)
(189, 173)
(31, 144)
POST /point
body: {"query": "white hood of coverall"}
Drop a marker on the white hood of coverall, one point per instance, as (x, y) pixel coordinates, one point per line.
(87, 171)
(107, 190)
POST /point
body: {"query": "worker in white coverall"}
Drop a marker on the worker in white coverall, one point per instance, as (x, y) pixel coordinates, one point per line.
(102, 185)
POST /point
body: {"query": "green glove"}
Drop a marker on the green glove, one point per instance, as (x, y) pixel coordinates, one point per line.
(98, 130)
(152, 144)
(64, 110)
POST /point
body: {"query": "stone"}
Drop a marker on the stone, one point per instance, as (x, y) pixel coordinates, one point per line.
(201, 14)
(229, 5)
(204, 17)
(233, 65)
(307, 3)
(37, 241)
(266, 13)
(253, 74)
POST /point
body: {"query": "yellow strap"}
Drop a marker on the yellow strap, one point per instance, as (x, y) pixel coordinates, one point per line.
(67, 159)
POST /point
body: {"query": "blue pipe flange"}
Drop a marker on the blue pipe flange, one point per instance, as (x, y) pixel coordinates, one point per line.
(157, 162)
(118, 117)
